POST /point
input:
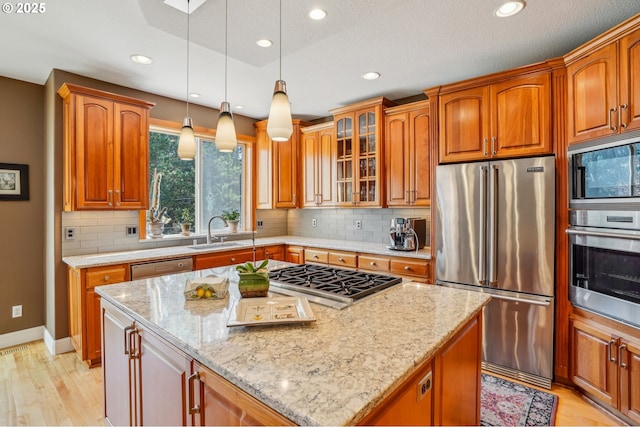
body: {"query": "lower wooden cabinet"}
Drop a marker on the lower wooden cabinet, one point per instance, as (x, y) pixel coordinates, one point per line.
(84, 307)
(220, 259)
(605, 363)
(274, 252)
(374, 263)
(294, 254)
(419, 269)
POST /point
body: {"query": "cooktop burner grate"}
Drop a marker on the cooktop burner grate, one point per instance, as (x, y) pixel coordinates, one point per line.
(330, 281)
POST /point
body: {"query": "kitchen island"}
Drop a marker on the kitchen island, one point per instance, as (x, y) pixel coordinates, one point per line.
(368, 363)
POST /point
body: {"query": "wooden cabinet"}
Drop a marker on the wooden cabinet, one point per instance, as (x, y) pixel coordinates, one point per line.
(84, 307)
(318, 159)
(274, 252)
(343, 259)
(603, 87)
(316, 256)
(221, 403)
(360, 155)
(277, 169)
(374, 263)
(508, 118)
(220, 259)
(294, 254)
(415, 268)
(407, 155)
(605, 363)
(106, 150)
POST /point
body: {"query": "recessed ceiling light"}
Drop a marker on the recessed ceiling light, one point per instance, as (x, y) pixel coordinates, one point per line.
(141, 59)
(264, 43)
(194, 95)
(510, 8)
(239, 107)
(317, 14)
(371, 75)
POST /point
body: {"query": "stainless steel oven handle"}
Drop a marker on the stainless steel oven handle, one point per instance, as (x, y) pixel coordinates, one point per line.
(602, 234)
(523, 300)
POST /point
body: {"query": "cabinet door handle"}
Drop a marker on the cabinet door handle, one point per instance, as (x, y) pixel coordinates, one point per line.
(134, 350)
(611, 343)
(493, 146)
(484, 147)
(613, 128)
(110, 203)
(294, 199)
(119, 198)
(622, 364)
(415, 196)
(407, 197)
(620, 122)
(193, 408)
(126, 336)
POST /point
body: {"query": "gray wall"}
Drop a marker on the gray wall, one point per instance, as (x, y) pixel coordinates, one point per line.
(22, 222)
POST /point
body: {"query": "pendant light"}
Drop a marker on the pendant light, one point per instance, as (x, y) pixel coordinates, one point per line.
(187, 141)
(226, 139)
(279, 124)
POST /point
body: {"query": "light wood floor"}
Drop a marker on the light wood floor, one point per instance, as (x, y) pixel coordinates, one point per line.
(39, 389)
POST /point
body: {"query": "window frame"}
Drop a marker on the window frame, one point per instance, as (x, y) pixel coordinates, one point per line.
(248, 205)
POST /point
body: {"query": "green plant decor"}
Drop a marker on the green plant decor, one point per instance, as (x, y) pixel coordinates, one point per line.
(187, 216)
(233, 215)
(253, 281)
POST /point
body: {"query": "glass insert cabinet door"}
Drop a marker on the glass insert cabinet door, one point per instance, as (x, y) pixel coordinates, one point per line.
(367, 157)
(344, 139)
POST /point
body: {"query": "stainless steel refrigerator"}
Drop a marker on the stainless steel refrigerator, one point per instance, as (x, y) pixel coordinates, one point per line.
(495, 234)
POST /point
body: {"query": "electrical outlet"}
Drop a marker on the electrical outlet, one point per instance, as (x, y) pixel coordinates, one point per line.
(69, 233)
(131, 230)
(358, 224)
(314, 222)
(423, 386)
(259, 223)
(16, 311)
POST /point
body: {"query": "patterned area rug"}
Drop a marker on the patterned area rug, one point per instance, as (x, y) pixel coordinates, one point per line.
(505, 403)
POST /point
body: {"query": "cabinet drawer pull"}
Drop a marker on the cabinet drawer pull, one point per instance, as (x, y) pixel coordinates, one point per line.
(620, 122)
(233, 259)
(407, 268)
(193, 408)
(341, 259)
(106, 277)
(622, 364)
(611, 358)
(611, 127)
(315, 257)
(372, 263)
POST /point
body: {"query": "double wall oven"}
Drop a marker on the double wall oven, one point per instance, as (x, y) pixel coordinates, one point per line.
(604, 231)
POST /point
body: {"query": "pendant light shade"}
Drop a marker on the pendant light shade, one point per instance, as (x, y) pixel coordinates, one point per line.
(280, 125)
(187, 142)
(226, 139)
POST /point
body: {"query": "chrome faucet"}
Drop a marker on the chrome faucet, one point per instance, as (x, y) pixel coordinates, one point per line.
(209, 237)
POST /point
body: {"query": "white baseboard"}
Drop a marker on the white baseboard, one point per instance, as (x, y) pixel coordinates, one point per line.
(34, 334)
(57, 346)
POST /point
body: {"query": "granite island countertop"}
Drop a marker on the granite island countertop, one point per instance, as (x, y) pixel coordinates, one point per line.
(143, 255)
(333, 371)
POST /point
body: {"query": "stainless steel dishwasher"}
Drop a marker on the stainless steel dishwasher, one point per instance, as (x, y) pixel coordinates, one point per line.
(144, 270)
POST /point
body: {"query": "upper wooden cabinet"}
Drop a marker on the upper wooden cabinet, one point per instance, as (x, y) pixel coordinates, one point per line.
(360, 144)
(318, 165)
(507, 118)
(106, 150)
(407, 155)
(603, 85)
(277, 170)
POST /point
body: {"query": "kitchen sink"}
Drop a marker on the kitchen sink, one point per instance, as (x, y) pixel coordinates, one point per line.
(213, 245)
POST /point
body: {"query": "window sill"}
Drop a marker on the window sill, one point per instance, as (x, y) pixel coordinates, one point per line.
(240, 235)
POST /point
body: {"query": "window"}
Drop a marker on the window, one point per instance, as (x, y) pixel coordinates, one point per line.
(212, 184)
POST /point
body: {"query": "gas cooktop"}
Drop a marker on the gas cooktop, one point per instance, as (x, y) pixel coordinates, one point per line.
(339, 286)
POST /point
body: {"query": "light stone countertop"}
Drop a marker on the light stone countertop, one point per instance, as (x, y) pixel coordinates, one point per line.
(333, 371)
(102, 259)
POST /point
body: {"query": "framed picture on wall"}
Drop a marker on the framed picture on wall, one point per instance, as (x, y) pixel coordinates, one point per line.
(14, 181)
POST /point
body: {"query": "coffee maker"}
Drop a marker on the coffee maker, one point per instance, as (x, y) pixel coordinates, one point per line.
(407, 234)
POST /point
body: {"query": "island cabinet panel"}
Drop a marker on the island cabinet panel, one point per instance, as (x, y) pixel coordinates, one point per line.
(145, 378)
(457, 378)
(220, 259)
(605, 362)
(105, 150)
(84, 307)
(294, 254)
(509, 118)
(407, 155)
(221, 403)
(604, 88)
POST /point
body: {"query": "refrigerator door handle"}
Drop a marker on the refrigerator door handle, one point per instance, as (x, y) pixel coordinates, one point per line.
(493, 226)
(482, 230)
(546, 303)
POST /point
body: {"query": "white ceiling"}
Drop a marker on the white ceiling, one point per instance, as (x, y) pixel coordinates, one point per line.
(414, 44)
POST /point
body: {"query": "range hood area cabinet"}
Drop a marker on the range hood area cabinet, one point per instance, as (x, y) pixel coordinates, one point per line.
(360, 142)
(318, 160)
(106, 150)
(277, 168)
(508, 117)
(603, 88)
(407, 155)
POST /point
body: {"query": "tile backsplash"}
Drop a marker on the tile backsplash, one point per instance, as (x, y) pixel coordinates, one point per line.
(106, 231)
